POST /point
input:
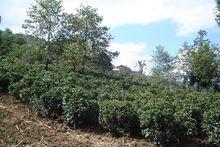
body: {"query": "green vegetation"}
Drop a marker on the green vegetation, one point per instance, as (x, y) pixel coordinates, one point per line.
(119, 104)
(119, 117)
(62, 69)
(218, 12)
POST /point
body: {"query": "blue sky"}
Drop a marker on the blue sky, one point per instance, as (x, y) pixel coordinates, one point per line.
(136, 25)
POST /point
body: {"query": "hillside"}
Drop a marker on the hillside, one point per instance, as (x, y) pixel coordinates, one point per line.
(63, 87)
(20, 126)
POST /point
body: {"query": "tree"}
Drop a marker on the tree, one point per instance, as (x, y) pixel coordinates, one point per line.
(200, 40)
(198, 63)
(217, 12)
(203, 65)
(163, 61)
(86, 24)
(203, 61)
(97, 37)
(182, 69)
(44, 23)
(141, 65)
(76, 53)
(216, 79)
(162, 58)
(8, 31)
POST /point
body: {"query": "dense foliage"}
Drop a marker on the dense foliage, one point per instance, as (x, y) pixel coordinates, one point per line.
(119, 117)
(120, 104)
(218, 12)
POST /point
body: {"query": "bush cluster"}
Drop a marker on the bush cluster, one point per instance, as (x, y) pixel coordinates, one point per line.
(79, 108)
(121, 105)
(119, 117)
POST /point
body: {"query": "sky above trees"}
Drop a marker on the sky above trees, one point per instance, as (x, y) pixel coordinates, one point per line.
(137, 26)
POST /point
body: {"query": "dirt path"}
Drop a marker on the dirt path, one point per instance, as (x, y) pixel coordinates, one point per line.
(20, 126)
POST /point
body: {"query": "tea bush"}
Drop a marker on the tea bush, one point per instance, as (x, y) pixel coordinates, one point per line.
(49, 103)
(78, 108)
(157, 121)
(119, 117)
(121, 105)
(211, 122)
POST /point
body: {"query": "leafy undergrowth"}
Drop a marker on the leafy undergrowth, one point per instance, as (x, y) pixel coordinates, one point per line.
(20, 126)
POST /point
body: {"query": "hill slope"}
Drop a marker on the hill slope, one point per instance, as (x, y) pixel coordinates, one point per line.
(21, 126)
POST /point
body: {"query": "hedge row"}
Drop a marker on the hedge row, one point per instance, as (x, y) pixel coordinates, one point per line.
(119, 105)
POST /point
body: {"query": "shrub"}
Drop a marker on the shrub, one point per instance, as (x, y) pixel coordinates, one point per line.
(120, 104)
(33, 83)
(118, 117)
(8, 75)
(91, 114)
(165, 121)
(21, 90)
(157, 121)
(196, 103)
(211, 122)
(174, 115)
(49, 104)
(78, 108)
(185, 123)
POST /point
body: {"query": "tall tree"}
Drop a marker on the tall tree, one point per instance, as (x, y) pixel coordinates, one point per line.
(203, 61)
(86, 24)
(44, 23)
(44, 19)
(200, 40)
(198, 63)
(163, 61)
(181, 64)
(218, 12)
(203, 65)
(96, 35)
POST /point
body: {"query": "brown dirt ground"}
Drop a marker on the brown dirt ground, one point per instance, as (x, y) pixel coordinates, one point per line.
(20, 126)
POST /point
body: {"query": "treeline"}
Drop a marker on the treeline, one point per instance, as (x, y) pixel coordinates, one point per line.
(196, 65)
(55, 37)
(63, 70)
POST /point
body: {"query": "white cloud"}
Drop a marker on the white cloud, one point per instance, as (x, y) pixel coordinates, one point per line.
(130, 53)
(193, 15)
(189, 15)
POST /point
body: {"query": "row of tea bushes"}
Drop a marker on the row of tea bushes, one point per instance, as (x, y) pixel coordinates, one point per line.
(118, 104)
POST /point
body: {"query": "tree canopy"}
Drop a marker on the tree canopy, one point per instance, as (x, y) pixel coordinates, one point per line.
(78, 37)
(217, 12)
